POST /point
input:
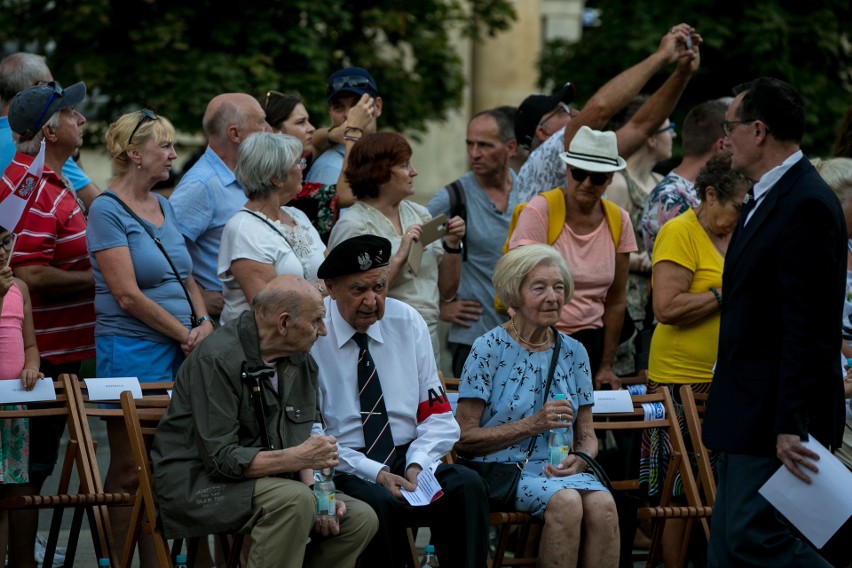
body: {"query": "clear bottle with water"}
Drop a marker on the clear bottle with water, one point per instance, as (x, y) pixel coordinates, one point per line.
(430, 560)
(324, 492)
(557, 442)
(180, 561)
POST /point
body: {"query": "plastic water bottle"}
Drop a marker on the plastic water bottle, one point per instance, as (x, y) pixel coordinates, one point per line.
(324, 491)
(558, 441)
(429, 558)
(180, 561)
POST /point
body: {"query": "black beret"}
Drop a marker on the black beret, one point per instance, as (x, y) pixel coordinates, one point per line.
(355, 255)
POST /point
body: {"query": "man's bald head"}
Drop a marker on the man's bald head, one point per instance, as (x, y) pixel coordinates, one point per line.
(284, 293)
(229, 119)
(288, 312)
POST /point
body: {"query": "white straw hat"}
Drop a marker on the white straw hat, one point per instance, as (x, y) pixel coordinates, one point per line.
(594, 151)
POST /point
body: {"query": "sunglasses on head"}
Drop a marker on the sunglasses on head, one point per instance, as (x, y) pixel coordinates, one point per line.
(351, 81)
(57, 92)
(597, 178)
(146, 115)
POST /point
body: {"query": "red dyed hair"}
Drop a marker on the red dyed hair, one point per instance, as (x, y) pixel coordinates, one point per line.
(371, 160)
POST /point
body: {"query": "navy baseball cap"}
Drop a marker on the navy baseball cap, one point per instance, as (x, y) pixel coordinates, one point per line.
(534, 108)
(33, 107)
(353, 80)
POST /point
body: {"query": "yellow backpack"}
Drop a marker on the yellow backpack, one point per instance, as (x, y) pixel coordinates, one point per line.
(556, 222)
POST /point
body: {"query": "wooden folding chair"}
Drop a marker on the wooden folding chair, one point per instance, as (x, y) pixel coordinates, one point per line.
(694, 509)
(526, 528)
(694, 406)
(86, 410)
(77, 457)
(141, 418)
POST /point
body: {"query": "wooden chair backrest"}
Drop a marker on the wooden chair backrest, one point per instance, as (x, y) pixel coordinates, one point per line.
(141, 418)
(678, 463)
(694, 406)
(88, 410)
(89, 497)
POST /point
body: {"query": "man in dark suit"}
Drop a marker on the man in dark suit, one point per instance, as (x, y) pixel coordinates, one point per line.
(777, 378)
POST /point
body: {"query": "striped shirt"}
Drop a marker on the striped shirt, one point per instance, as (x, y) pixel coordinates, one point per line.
(54, 234)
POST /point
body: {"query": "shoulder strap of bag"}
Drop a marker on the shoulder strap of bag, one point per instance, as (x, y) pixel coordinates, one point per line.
(148, 230)
(268, 224)
(458, 206)
(612, 213)
(595, 469)
(557, 341)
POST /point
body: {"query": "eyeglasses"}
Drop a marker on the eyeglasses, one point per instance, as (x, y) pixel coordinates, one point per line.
(7, 242)
(671, 127)
(560, 109)
(146, 115)
(597, 178)
(728, 125)
(352, 81)
(57, 92)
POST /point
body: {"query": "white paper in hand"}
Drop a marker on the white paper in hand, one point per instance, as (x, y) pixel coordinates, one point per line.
(817, 509)
(428, 490)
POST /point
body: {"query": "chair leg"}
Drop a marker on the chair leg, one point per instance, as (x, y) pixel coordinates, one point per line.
(411, 532)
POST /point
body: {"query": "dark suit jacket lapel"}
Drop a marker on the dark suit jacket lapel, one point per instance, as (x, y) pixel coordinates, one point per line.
(744, 234)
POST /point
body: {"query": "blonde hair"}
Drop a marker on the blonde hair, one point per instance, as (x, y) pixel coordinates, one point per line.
(515, 265)
(118, 135)
(837, 173)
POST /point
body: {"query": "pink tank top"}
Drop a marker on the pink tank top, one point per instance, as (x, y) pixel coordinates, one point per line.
(12, 335)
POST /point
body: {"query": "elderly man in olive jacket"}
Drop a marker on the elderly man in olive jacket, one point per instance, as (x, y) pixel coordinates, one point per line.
(234, 452)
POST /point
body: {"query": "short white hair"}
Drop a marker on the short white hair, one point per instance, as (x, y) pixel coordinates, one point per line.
(262, 157)
(513, 268)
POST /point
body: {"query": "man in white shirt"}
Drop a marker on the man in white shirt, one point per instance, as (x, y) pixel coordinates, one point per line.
(379, 346)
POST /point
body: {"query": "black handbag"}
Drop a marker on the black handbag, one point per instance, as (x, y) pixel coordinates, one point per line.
(501, 479)
(625, 504)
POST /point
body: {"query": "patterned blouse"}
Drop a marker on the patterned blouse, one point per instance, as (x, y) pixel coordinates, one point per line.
(671, 197)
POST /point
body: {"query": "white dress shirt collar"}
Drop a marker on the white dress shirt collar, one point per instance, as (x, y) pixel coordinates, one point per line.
(343, 331)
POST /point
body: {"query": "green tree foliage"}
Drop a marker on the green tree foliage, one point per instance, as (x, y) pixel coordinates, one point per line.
(175, 56)
(805, 43)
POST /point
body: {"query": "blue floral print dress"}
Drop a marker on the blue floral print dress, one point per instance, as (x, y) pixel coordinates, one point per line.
(511, 379)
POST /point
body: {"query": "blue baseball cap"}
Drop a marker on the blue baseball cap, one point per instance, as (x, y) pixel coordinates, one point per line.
(353, 80)
(33, 107)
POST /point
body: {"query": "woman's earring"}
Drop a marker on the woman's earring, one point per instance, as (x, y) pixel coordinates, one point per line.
(139, 166)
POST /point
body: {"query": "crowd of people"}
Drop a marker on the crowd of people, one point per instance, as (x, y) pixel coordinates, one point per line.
(293, 291)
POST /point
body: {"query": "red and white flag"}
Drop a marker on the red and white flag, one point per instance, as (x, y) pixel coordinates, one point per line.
(14, 203)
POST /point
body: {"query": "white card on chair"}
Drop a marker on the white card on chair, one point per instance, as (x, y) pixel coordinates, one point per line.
(111, 388)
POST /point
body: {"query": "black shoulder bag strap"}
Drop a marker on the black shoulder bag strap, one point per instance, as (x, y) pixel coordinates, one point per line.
(557, 341)
(458, 206)
(193, 317)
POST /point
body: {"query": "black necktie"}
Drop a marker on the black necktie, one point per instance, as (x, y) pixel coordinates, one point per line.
(378, 441)
(748, 205)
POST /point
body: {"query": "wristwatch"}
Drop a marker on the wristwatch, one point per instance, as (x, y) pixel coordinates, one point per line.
(203, 319)
(452, 250)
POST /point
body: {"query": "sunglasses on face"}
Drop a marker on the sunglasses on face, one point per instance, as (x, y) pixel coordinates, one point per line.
(597, 178)
(57, 92)
(146, 115)
(351, 81)
(671, 127)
